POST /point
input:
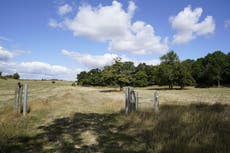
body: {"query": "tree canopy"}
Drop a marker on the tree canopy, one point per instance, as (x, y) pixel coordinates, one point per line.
(211, 70)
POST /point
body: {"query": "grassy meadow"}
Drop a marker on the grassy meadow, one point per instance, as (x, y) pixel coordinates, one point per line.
(64, 118)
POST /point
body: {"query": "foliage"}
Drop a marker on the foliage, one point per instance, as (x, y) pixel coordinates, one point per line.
(140, 78)
(213, 69)
(165, 75)
(182, 75)
(120, 72)
(13, 76)
(169, 58)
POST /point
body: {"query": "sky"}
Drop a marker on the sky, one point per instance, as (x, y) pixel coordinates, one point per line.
(57, 39)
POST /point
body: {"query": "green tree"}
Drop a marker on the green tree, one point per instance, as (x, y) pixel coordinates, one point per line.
(140, 79)
(226, 73)
(215, 65)
(83, 78)
(166, 69)
(16, 76)
(182, 75)
(150, 71)
(95, 77)
(108, 75)
(198, 72)
(165, 75)
(119, 73)
(169, 58)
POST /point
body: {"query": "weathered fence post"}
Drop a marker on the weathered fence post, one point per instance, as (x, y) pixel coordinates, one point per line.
(156, 101)
(137, 100)
(25, 99)
(131, 100)
(18, 97)
(127, 100)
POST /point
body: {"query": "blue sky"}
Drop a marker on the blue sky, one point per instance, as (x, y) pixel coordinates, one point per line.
(59, 38)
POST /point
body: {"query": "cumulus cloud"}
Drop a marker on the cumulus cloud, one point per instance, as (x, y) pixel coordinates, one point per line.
(34, 69)
(38, 70)
(99, 61)
(64, 9)
(114, 24)
(142, 40)
(188, 26)
(101, 23)
(45, 70)
(227, 23)
(5, 55)
(90, 61)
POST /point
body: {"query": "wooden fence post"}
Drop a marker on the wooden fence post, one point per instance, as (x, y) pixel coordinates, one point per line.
(127, 101)
(16, 98)
(20, 99)
(156, 101)
(25, 99)
(137, 100)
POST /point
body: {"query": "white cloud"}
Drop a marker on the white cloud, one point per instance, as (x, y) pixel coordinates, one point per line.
(34, 69)
(4, 39)
(227, 23)
(90, 61)
(5, 55)
(53, 23)
(46, 70)
(39, 70)
(99, 61)
(142, 40)
(188, 26)
(114, 24)
(64, 9)
(100, 23)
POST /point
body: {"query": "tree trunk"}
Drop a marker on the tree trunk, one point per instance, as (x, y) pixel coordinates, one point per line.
(170, 86)
(121, 87)
(218, 83)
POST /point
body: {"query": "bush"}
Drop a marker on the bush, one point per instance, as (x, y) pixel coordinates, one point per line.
(16, 76)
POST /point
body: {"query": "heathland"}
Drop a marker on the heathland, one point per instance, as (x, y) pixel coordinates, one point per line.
(65, 118)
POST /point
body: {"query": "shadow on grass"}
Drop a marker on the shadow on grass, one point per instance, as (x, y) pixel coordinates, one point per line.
(113, 90)
(162, 88)
(198, 128)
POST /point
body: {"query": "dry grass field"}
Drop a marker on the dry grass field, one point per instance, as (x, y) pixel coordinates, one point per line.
(64, 118)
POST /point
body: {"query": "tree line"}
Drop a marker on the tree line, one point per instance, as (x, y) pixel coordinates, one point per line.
(11, 76)
(211, 70)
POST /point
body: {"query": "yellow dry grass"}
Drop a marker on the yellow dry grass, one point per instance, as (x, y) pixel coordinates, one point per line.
(61, 99)
(60, 106)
